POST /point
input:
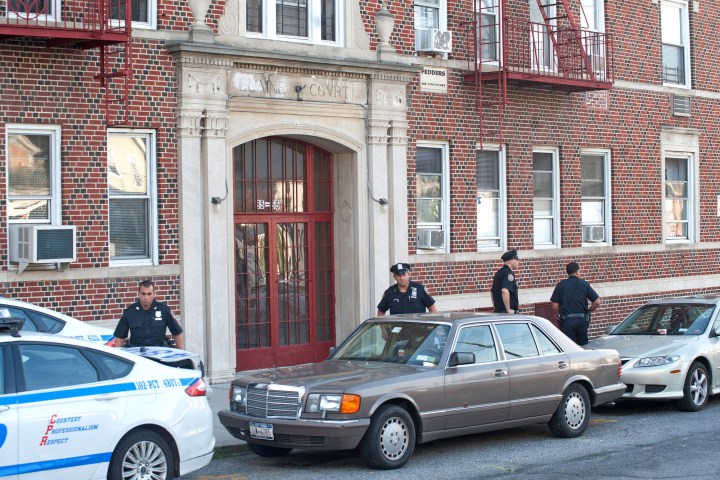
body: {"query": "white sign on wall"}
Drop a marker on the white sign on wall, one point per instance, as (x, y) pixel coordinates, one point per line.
(434, 80)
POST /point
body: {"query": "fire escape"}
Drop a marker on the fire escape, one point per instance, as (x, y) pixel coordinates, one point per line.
(87, 24)
(546, 48)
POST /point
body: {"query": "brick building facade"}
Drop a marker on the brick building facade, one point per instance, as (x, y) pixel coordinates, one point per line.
(320, 152)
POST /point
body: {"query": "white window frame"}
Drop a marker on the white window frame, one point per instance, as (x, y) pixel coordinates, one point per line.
(502, 201)
(693, 195)
(555, 215)
(39, 19)
(151, 195)
(607, 203)
(151, 24)
(55, 197)
(445, 198)
(685, 39)
(314, 28)
(490, 8)
(598, 10)
(442, 12)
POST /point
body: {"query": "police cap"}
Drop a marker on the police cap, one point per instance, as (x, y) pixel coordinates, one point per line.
(509, 255)
(400, 268)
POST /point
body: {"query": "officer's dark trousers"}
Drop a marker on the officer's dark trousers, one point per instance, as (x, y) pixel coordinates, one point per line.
(576, 327)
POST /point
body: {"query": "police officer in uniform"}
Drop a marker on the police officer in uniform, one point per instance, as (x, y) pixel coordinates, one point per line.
(147, 320)
(405, 296)
(570, 298)
(505, 287)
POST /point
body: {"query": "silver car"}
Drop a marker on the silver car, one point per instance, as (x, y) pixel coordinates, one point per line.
(405, 379)
(670, 350)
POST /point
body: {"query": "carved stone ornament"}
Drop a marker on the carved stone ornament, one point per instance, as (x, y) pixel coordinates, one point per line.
(385, 23)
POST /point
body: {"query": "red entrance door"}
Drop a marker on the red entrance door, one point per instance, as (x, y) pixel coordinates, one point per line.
(283, 253)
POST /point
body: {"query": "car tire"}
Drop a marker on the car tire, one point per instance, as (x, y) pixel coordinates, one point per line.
(390, 440)
(695, 391)
(268, 450)
(573, 414)
(142, 454)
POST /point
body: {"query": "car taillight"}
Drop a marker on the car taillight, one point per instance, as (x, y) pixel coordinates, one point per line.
(619, 369)
(110, 343)
(197, 388)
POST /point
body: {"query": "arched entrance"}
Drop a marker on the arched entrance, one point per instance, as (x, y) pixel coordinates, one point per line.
(284, 276)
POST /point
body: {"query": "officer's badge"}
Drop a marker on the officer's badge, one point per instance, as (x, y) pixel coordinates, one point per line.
(158, 314)
(511, 277)
(413, 292)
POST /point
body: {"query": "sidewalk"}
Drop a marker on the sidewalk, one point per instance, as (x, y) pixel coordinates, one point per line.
(218, 399)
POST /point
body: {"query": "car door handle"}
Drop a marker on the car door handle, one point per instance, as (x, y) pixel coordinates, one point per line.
(4, 408)
(562, 364)
(107, 397)
(500, 372)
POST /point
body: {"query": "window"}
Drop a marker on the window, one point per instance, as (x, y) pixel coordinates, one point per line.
(517, 340)
(313, 21)
(429, 14)
(132, 196)
(546, 199)
(144, 12)
(547, 347)
(489, 30)
(45, 10)
(675, 43)
(432, 193)
(595, 172)
(33, 173)
(679, 203)
(592, 16)
(491, 216)
(54, 366)
(477, 340)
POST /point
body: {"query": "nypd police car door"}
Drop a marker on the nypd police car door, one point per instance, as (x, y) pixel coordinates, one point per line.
(69, 409)
(8, 418)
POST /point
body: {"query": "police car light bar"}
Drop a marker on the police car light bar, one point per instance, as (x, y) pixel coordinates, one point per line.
(12, 325)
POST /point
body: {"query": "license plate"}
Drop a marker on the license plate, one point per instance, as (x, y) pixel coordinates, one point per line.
(261, 431)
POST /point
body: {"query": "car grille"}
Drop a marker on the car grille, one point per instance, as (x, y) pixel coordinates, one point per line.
(272, 403)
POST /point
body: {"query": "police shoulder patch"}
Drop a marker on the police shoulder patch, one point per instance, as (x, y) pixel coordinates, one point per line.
(511, 277)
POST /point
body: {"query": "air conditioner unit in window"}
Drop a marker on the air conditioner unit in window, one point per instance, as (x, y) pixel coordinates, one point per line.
(433, 40)
(593, 233)
(430, 239)
(41, 244)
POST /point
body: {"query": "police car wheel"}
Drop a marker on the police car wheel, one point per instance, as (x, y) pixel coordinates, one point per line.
(573, 414)
(142, 454)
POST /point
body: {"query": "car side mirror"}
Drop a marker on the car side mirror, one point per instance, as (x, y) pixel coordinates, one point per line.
(461, 358)
(714, 332)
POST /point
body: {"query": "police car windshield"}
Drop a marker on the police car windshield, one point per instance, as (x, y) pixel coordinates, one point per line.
(402, 342)
(664, 319)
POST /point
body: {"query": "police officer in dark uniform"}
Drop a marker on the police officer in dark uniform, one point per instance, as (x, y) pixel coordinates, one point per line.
(570, 299)
(147, 320)
(505, 287)
(405, 296)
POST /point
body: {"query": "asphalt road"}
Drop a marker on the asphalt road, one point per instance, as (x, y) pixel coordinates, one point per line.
(627, 441)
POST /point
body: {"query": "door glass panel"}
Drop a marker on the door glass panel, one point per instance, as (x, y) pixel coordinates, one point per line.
(324, 315)
(251, 285)
(292, 283)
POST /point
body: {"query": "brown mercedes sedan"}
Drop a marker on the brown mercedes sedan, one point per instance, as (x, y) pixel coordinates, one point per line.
(405, 379)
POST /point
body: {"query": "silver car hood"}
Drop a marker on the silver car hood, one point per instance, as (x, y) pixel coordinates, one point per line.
(335, 374)
(634, 346)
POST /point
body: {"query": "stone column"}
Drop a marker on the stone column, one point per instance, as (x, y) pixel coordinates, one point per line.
(397, 176)
(378, 218)
(192, 289)
(219, 297)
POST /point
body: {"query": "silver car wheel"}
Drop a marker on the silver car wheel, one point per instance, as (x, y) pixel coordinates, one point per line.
(144, 460)
(698, 387)
(394, 438)
(574, 410)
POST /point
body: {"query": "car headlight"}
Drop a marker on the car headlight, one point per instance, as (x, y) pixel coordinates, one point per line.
(657, 361)
(238, 399)
(339, 403)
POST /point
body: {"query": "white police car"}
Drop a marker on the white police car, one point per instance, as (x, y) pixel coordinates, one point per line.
(40, 319)
(74, 410)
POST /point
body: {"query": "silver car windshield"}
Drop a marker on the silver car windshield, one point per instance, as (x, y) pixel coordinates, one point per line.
(681, 319)
(411, 343)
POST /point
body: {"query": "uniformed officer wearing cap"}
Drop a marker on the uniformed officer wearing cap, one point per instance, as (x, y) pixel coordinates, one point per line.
(505, 287)
(570, 299)
(147, 320)
(405, 296)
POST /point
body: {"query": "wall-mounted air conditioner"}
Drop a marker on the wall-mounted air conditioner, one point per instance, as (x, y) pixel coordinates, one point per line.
(41, 244)
(430, 239)
(433, 40)
(593, 233)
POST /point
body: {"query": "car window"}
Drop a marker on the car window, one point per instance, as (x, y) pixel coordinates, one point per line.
(477, 340)
(28, 325)
(114, 366)
(547, 346)
(2, 370)
(680, 319)
(46, 323)
(53, 366)
(517, 340)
